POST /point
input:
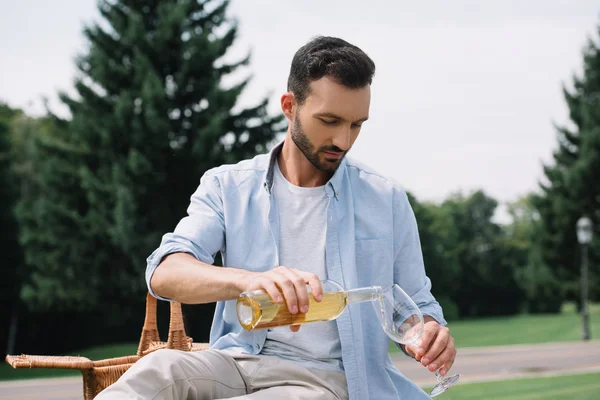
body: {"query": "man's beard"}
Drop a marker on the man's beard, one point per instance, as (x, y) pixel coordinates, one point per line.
(308, 149)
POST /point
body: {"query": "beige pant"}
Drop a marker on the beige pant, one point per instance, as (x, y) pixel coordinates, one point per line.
(213, 374)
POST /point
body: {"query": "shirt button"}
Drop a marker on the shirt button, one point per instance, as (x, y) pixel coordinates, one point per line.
(257, 346)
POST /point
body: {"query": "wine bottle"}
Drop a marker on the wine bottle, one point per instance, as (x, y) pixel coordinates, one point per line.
(257, 310)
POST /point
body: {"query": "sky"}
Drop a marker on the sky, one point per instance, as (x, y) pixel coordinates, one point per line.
(466, 94)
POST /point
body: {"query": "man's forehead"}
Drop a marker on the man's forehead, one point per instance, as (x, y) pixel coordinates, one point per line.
(327, 96)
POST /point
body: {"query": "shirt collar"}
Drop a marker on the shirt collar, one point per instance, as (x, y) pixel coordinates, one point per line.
(334, 185)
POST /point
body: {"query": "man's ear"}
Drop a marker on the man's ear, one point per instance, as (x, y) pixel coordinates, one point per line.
(288, 105)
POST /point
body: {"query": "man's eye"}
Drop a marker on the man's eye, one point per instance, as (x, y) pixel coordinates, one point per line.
(328, 122)
(356, 125)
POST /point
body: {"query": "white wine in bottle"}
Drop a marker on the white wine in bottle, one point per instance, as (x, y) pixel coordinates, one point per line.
(260, 311)
(257, 310)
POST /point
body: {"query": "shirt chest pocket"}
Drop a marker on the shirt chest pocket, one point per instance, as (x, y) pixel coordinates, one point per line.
(374, 261)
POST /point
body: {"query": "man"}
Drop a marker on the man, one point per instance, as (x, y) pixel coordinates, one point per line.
(284, 220)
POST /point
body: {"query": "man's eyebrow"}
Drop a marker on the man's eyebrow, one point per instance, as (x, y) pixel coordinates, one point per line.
(333, 116)
(328, 115)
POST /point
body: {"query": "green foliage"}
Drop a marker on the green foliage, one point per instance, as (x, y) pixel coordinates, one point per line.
(437, 244)
(572, 188)
(47, 176)
(543, 292)
(12, 268)
(471, 260)
(151, 114)
(486, 283)
(8, 196)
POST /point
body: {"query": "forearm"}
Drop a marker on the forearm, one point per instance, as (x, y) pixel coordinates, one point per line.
(183, 278)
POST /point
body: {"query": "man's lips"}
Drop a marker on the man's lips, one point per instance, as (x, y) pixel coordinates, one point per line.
(333, 154)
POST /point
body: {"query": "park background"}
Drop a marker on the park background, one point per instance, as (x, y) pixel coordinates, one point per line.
(487, 114)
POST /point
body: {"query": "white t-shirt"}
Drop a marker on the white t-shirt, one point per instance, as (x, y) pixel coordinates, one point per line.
(302, 233)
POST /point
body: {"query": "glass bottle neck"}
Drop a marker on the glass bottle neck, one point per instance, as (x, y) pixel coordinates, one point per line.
(364, 294)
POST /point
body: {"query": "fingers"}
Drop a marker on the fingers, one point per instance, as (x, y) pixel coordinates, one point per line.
(294, 289)
(437, 345)
(442, 352)
(271, 288)
(427, 338)
(315, 284)
(411, 350)
(292, 284)
(289, 285)
(446, 359)
(294, 328)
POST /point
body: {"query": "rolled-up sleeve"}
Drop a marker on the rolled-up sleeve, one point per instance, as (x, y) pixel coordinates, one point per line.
(409, 269)
(201, 233)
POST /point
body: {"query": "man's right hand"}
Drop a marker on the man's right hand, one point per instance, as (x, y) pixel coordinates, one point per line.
(292, 283)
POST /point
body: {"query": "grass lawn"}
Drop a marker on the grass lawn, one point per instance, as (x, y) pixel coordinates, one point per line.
(580, 387)
(523, 329)
(96, 353)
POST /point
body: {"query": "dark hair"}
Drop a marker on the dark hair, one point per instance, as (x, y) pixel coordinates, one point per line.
(327, 56)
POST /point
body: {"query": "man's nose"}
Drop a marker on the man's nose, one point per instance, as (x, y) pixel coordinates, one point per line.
(343, 139)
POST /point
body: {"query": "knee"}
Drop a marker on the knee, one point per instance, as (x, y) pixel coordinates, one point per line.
(158, 365)
(160, 357)
(169, 365)
(163, 360)
(145, 377)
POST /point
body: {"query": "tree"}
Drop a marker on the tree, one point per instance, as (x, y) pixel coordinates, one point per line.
(538, 282)
(572, 188)
(151, 115)
(437, 244)
(11, 267)
(49, 192)
(486, 283)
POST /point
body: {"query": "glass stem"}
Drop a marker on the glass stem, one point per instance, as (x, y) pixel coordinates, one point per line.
(364, 294)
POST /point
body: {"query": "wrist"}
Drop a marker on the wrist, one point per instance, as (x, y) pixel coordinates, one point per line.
(239, 279)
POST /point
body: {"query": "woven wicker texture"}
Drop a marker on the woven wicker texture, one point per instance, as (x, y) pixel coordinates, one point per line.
(98, 375)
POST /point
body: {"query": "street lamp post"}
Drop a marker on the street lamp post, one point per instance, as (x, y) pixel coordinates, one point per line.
(584, 237)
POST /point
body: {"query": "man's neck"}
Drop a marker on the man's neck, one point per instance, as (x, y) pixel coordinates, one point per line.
(297, 169)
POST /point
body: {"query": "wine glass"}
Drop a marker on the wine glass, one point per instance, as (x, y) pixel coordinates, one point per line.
(403, 322)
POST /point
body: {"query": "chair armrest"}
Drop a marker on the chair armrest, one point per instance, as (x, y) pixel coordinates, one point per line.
(64, 362)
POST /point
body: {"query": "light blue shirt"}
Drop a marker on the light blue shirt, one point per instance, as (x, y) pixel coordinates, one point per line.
(372, 239)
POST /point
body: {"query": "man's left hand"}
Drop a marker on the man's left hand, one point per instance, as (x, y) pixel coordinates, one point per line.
(436, 350)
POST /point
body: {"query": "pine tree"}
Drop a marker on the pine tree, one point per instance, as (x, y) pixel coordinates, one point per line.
(572, 187)
(151, 115)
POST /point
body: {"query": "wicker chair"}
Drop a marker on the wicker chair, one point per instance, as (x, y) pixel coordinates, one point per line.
(98, 375)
